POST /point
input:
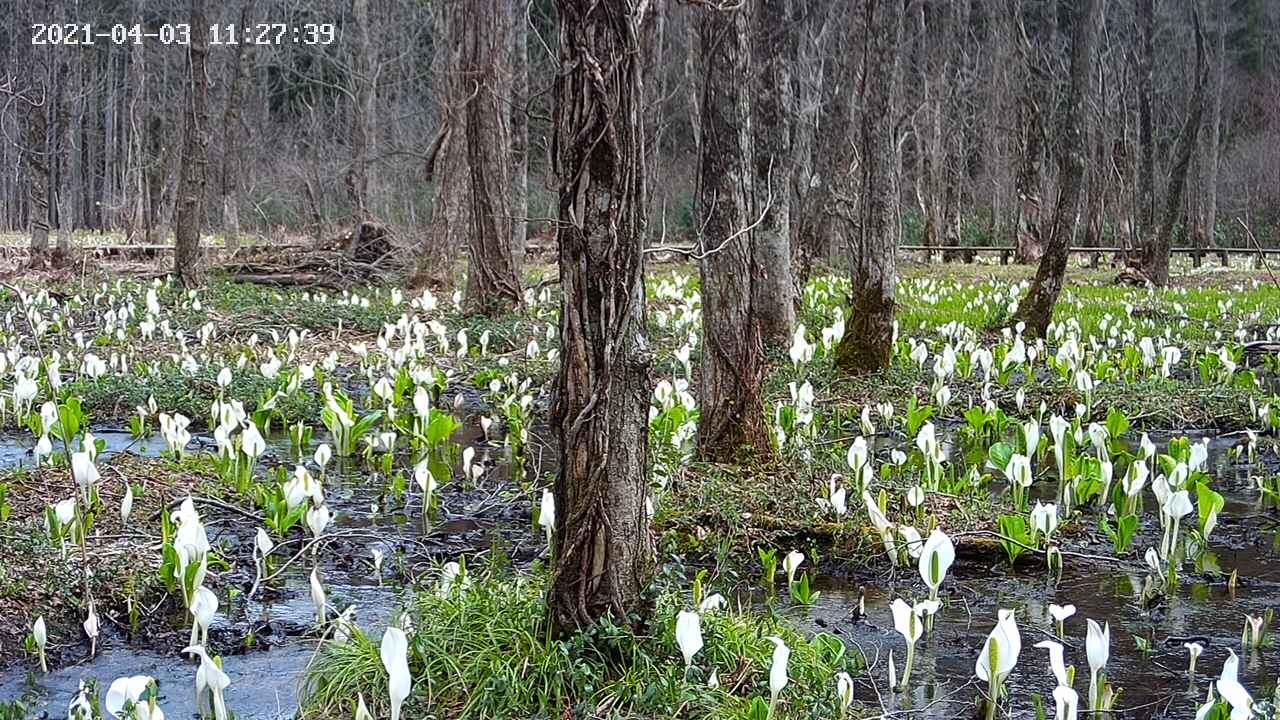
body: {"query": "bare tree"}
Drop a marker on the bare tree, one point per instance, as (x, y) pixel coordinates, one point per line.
(1215, 133)
(774, 38)
(192, 170)
(233, 136)
(604, 552)
(364, 82)
(1155, 257)
(493, 283)
(1036, 308)
(867, 345)
(732, 411)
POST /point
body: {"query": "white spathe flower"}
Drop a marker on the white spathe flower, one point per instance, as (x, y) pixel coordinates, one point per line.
(1056, 662)
(688, 635)
(317, 596)
(323, 455)
(84, 471)
(394, 652)
(844, 689)
(547, 513)
(1000, 651)
(1044, 518)
(318, 518)
(40, 634)
(935, 560)
(1232, 691)
(126, 505)
(1061, 612)
(1098, 650)
(204, 606)
(1066, 701)
(212, 678)
(906, 620)
(791, 563)
(778, 666)
(123, 691)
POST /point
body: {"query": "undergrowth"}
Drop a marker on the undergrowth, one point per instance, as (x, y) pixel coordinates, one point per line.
(482, 651)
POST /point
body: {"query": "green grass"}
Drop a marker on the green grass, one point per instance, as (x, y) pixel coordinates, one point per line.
(482, 652)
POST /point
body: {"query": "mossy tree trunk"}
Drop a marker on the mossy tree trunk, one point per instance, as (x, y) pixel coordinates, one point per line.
(604, 554)
(731, 414)
(1036, 308)
(867, 345)
(191, 172)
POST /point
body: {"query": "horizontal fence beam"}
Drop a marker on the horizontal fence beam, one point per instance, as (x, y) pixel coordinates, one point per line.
(1086, 250)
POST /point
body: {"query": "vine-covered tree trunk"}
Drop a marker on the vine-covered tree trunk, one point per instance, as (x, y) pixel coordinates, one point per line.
(492, 282)
(1036, 308)
(731, 415)
(1155, 256)
(191, 172)
(867, 345)
(233, 138)
(604, 553)
(774, 36)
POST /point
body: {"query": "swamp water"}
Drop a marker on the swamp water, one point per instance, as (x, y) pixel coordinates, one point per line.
(265, 679)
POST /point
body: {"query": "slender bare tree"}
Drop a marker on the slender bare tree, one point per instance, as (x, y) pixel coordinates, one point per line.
(1036, 308)
(192, 170)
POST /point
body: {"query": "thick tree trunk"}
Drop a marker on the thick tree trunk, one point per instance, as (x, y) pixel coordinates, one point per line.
(811, 168)
(1155, 258)
(732, 411)
(37, 157)
(604, 552)
(192, 170)
(519, 133)
(1036, 308)
(232, 138)
(867, 345)
(492, 283)
(772, 301)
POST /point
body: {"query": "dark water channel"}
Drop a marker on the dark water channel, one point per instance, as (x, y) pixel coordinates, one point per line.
(265, 678)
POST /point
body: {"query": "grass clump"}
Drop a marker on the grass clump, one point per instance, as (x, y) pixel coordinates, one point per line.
(482, 651)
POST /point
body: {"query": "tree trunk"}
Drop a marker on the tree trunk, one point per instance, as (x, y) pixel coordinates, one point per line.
(447, 160)
(154, 174)
(1155, 258)
(233, 138)
(810, 172)
(63, 161)
(1028, 240)
(519, 133)
(1146, 142)
(1215, 136)
(772, 301)
(732, 411)
(604, 552)
(867, 345)
(37, 156)
(192, 170)
(1036, 308)
(364, 80)
(492, 283)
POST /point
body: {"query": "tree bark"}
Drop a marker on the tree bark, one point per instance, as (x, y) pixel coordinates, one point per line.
(774, 37)
(1028, 239)
(63, 161)
(1146, 141)
(1036, 308)
(519, 133)
(192, 170)
(604, 551)
(1155, 258)
(732, 410)
(493, 285)
(37, 157)
(867, 345)
(233, 138)
(1215, 135)
(364, 80)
